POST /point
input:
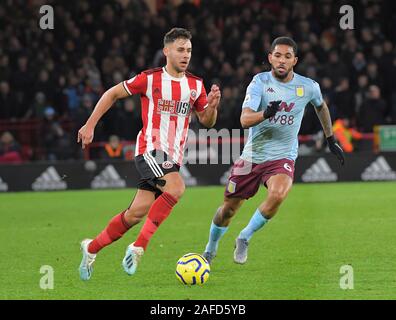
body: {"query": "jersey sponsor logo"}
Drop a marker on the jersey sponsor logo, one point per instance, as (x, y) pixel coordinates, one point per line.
(167, 165)
(319, 171)
(286, 107)
(3, 186)
(49, 180)
(108, 178)
(300, 91)
(173, 107)
(379, 169)
(283, 119)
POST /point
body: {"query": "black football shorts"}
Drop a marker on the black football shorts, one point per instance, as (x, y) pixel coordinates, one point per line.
(152, 166)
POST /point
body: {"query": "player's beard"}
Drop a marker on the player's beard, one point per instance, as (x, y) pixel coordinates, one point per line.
(281, 76)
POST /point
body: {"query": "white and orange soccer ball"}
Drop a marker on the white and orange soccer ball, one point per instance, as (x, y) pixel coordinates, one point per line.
(192, 268)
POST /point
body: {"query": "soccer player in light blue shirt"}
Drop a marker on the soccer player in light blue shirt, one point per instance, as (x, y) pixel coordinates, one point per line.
(272, 110)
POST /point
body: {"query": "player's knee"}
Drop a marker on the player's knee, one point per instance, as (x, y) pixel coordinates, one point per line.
(179, 191)
(277, 196)
(176, 190)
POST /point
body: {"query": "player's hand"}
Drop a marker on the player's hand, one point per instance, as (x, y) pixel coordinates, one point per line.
(214, 97)
(336, 149)
(272, 109)
(85, 135)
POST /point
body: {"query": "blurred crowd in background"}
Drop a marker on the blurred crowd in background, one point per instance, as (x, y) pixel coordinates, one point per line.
(56, 76)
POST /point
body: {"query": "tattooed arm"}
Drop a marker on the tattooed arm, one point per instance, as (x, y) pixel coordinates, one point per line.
(324, 116)
(325, 119)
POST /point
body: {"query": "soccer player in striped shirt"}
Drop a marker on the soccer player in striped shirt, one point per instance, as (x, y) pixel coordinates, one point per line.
(168, 97)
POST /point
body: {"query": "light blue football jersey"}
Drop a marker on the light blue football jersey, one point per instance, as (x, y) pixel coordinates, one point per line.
(277, 137)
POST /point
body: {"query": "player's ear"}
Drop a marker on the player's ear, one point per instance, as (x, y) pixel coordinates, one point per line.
(295, 61)
(270, 58)
(165, 50)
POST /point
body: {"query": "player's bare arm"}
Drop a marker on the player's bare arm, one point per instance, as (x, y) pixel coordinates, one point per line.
(86, 133)
(325, 119)
(250, 118)
(209, 115)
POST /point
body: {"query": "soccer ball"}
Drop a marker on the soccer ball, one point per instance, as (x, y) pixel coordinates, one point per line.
(192, 269)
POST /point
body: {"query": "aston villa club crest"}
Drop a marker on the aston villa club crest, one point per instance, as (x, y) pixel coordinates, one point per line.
(300, 91)
(231, 186)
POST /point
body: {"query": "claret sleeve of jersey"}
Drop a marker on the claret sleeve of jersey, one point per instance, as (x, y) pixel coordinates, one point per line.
(317, 98)
(202, 101)
(136, 85)
(253, 94)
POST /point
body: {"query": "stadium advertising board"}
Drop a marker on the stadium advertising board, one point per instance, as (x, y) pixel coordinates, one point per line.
(122, 174)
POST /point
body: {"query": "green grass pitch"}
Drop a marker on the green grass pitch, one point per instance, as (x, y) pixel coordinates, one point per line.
(298, 255)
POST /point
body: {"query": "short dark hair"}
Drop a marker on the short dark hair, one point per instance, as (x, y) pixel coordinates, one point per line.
(284, 40)
(176, 33)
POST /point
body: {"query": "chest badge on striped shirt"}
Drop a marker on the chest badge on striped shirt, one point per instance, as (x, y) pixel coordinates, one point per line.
(300, 91)
(193, 94)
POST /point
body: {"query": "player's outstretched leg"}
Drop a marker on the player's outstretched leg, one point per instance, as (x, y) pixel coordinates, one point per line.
(278, 188)
(116, 228)
(159, 211)
(219, 225)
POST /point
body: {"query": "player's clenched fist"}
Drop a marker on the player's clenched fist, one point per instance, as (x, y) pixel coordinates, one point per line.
(214, 96)
(336, 149)
(272, 109)
(85, 135)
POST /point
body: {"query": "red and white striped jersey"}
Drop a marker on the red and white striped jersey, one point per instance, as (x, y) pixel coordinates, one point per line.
(167, 103)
